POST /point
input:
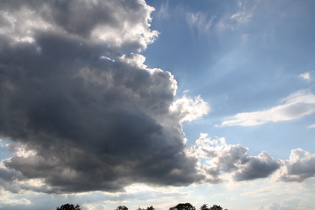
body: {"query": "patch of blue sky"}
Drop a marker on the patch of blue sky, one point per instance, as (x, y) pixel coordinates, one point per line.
(4, 150)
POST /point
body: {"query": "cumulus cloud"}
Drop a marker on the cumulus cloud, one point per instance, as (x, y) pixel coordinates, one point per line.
(188, 109)
(295, 106)
(88, 113)
(127, 28)
(220, 162)
(300, 166)
(223, 161)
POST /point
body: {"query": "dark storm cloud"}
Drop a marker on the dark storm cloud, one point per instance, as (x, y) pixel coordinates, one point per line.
(95, 124)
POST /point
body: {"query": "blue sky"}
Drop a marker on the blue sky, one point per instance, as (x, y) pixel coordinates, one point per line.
(139, 103)
(240, 57)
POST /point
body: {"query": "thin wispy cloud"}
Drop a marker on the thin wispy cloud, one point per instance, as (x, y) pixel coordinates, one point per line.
(311, 126)
(163, 11)
(295, 106)
(306, 76)
(200, 22)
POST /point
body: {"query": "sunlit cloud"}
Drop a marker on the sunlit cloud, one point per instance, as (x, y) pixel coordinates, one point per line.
(222, 161)
(189, 109)
(300, 166)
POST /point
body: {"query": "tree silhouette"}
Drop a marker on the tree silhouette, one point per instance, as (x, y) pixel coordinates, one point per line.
(183, 206)
(122, 208)
(216, 207)
(204, 207)
(148, 208)
(68, 207)
(180, 206)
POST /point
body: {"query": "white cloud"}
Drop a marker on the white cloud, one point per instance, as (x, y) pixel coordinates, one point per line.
(300, 166)
(287, 204)
(295, 106)
(134, 60)
(241, 17)
(221, 161)
(306, 76)
(232, 21)
(188, 109)
(22, 201)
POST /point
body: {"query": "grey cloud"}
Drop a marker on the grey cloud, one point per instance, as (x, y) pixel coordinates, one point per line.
(95, 124)
(300, 166)
(229, 160)
(257, 167)
(244, 167)
(214, 175)
(7, 177)
(233, 160)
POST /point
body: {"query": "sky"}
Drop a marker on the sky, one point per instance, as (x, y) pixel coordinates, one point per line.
(140, 103)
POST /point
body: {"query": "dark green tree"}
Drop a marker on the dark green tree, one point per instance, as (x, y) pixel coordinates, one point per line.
(183, 206)
(69, 207)
(148, 208)
(204, 207)
(216, 207)
(122, 208)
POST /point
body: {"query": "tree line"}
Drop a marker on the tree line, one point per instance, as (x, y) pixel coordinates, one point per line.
(180, 206)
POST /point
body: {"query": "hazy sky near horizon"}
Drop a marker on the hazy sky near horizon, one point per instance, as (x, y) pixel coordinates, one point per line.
(139, 103)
